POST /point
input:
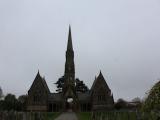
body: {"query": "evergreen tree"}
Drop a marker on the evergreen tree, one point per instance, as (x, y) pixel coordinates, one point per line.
(79, 85)
(59, 84)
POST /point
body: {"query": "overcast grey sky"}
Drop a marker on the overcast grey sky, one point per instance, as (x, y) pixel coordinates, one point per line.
(119, 37)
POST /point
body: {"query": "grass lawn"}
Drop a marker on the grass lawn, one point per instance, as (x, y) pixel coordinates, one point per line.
(84, 115)
(52, 116)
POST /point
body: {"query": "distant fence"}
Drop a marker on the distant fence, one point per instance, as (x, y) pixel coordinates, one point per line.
(125, 116)
(114, 115)
(26, 116)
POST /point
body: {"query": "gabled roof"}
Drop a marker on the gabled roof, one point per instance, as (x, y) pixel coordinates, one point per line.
(37, 79)
(45, 85)
(84, 97)
(96, 81)
(56, 97)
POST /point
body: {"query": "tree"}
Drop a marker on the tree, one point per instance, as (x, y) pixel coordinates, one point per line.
(152, 102)
(137, 102)
(120, 104)
(59, 84)
(22, 100)
(11, 103)
(1, 93)
(137, 99)
(79, 85)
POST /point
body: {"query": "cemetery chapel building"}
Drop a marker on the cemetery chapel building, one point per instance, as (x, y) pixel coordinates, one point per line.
(98, 98)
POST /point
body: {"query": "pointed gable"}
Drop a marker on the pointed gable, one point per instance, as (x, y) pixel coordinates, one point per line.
(39, 80)
(101, 96)
(99, 82)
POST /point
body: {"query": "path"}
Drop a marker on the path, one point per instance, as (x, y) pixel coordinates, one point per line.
(67, 116)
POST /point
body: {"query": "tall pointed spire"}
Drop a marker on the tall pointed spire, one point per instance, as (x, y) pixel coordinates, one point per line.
(69, 46)
(69, 73)
(69, 65)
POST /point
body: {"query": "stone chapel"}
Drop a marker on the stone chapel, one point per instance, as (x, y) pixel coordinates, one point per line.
(98, 98)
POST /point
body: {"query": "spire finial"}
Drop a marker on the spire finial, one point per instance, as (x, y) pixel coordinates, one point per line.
(69, 26)
(69, 46)
(100, 72)
(38, 74)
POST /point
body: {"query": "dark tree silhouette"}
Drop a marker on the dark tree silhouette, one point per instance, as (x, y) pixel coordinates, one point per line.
(120, 104)
(80, 85)
(10, 102)
(22, 100)
(1, 93)
(59, 84)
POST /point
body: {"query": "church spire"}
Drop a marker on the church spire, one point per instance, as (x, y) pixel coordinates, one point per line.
(69, 65)
(69, 73)
(69, 46)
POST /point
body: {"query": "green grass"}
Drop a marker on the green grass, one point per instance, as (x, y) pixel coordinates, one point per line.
(54, 115)
(51, 115)
(84, 115)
